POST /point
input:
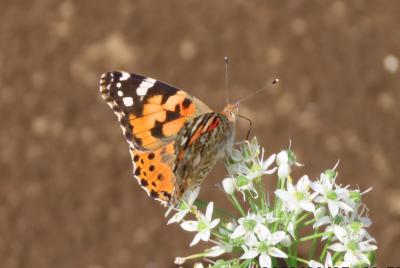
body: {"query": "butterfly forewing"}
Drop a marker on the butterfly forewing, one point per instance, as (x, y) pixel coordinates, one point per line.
(150, 112)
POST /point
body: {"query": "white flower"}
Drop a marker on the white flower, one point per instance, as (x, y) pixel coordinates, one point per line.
(229, 185)
(198, 265)
(297, 198)
(259, 167)
(331, 194)
(249, 225)
(203, 225)
(248, 164)
(263, 247)
(355, 249)
(185, 205)
(246, 175)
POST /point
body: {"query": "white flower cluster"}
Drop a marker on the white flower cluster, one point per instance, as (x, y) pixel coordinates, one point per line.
(266, 230)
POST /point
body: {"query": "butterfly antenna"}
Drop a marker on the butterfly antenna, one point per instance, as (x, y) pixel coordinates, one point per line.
(226, 79)
(274, 82)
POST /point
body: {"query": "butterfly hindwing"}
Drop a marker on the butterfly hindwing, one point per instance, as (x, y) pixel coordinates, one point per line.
(153, 170)
(151, 113)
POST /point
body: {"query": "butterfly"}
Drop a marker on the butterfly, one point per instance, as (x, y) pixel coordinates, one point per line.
(174, 138)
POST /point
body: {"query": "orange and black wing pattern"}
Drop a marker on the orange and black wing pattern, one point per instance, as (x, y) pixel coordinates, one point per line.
(150, 113)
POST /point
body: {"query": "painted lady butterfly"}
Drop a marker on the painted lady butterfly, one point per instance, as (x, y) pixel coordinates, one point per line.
(174, 138)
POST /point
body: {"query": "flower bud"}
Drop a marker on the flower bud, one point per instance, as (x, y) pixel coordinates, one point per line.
(284, 171)
(229, 185)
(282, 158)
(286, 241)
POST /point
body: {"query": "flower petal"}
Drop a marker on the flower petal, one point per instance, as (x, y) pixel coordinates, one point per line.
(277, 237)
(249, 254)
(307, 206)
(239, 231)
(270, 171)
(209, 211)
(269, 161)
(328, 260)
(264, 260)
(205, 235)
(344, 206)
(303, 184)
(340, 233)
(315, 264)
(276, 252)
(263, 232)
(333, 208)
(322, 221)
(177, 217)
(215, 251)
(190, 226)
(337, 247)
(196, 239)
(282, 194)
(214, 223)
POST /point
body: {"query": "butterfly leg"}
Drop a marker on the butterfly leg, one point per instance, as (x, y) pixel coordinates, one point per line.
(250, 125)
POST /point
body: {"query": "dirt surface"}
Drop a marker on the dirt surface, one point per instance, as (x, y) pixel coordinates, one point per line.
(67, 198)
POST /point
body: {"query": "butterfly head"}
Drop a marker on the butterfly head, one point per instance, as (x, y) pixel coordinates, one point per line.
(231, 111)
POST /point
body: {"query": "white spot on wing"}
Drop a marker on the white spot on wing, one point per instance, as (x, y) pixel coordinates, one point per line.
(150, 80)
(124, 76)
(144, 86)
(141, 91)
(118, 85)
(120, 93)
(128, 101)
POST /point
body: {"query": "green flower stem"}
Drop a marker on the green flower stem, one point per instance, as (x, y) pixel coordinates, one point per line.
(313, 245)
(259, 186)
(302, 218)
(274, 262)
(224, 263)
(298, 259)
(313, 236)
(291, 262)
(325, 250)
(336, 257)
(295, 248)
(246, 263)
(278, 203)
(217, 235)
(252, 202)
(289, 219)
(310, 222)
(236, 204)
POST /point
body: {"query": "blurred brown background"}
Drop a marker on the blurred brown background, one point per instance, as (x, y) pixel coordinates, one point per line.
(67, 198)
